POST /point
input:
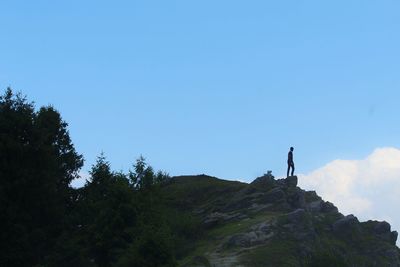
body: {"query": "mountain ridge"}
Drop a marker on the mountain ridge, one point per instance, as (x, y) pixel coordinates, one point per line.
(273, 222)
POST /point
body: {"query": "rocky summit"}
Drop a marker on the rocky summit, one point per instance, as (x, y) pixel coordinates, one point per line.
(273, 222)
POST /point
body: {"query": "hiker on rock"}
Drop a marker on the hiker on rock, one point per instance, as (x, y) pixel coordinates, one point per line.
(290, 162)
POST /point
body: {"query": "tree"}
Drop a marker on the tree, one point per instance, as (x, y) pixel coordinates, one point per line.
(143, 176)
(115, 219)
(37, 164)
(124, 223)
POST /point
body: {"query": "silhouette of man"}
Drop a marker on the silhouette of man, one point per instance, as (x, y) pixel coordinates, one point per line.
(290, 162)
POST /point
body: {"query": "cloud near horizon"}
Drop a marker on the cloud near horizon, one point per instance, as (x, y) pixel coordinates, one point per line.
(368, 188)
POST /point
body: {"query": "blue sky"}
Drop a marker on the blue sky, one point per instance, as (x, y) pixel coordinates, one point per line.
(222, 88)
(216, 87)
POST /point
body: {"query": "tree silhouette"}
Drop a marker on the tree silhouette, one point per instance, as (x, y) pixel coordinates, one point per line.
(37, 164)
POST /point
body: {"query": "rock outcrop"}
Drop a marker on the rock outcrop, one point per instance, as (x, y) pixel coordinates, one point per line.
(273, 222)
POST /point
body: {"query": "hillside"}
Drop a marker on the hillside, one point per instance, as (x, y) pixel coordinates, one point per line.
(273, 222)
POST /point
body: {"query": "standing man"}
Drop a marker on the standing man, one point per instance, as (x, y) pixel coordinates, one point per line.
(290, 162)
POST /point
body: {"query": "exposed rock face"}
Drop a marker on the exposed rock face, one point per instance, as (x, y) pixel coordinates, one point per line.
(329, 207)
(315, 206)
(297, 199)
(349, 222)
(266, 181)
(216, 218)
(275, 223)
(291, 181)
(382, 229)
(256, 236)
(273, 196)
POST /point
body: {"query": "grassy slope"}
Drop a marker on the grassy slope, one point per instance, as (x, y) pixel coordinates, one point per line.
(203, 195)
(200, 192)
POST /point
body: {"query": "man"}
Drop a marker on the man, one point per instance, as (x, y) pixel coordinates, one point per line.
(290, 162)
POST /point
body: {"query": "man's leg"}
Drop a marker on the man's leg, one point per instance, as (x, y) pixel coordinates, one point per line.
(288, 169)
(292, 169)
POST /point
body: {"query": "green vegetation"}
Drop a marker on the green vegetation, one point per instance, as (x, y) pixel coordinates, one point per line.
(240, 226)
(37, 164)
(327, 259)
(116, 219)
(203, 192)
(280, 253)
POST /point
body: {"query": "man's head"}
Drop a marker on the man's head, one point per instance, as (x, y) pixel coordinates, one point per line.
(291, 148)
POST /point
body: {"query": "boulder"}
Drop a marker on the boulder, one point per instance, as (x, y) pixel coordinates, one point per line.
(382, 228)
(346, 223)
(329, 207)
(296, 216)
(264, 227)
(315, 206)
(242, 240)
(256, 207)
(266, 181)
(393, 237)
(259, 234)
(291, 181)
(312, 196)
(299, 225)
(274, 195)
(297, 199)
(216, 218)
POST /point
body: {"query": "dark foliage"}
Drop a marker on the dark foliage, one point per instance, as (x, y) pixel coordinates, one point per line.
(327, 259)
(37, 163)
(116, 219)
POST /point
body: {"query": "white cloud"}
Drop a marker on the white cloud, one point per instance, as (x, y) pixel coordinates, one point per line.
(368, 188)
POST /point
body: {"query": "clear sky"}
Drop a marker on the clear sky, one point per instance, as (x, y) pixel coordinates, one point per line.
(216, 87)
